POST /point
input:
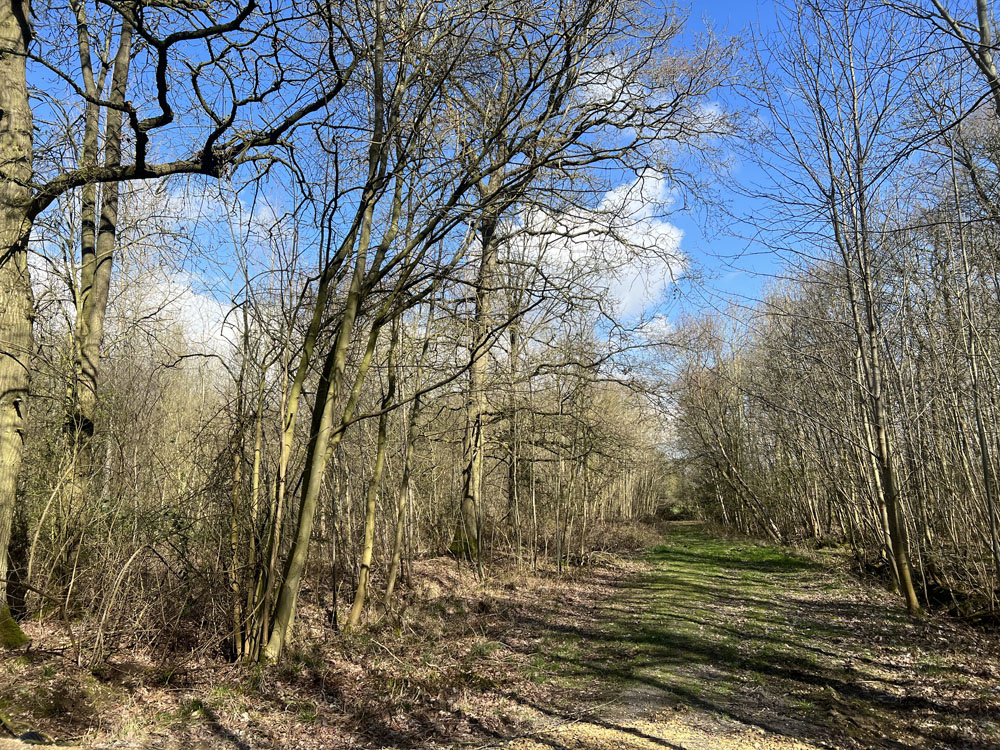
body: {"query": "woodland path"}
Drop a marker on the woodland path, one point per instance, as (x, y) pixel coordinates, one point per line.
(704, 644)
(727, 644)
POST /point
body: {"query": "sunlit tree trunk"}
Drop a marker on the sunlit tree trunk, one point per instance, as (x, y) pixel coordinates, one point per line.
(95, 276)
(16, 301)
(469, 529)
(321, 442)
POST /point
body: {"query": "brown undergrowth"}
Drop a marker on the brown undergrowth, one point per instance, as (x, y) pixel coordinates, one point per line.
(702, 643)
(453, 662)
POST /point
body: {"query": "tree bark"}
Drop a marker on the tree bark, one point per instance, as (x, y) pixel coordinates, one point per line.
(469, 528)
(16, 301)
(95, 277)
(403, 498)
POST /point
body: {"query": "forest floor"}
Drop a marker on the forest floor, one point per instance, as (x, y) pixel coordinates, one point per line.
(700, 643)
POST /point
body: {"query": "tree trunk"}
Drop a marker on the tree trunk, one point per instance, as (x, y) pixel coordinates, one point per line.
(897, 525)
(16, 300)
(403, 497)
(467, 533)
(317, 455)
(361, 592)
(97, 244)
(95, 275)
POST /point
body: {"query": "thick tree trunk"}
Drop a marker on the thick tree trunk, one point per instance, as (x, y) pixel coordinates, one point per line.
(468, 530)
(16, 302)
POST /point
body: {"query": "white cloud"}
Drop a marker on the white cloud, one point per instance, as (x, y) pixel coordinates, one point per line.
(159, 300)
(158, 305)
(604, 83)
(623, 249)
(200, 319)
(656, 329)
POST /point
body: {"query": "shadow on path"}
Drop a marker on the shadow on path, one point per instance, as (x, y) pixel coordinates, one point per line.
(758, 636)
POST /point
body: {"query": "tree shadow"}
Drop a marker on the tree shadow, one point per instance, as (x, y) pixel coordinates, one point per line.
(223, 733)
(725, 628)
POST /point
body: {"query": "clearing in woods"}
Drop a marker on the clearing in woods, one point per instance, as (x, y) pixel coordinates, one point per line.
(728, 644)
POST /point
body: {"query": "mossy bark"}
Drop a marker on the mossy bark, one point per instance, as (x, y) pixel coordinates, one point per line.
(11, 636)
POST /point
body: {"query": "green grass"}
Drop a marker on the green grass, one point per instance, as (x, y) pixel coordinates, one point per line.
(766, 637)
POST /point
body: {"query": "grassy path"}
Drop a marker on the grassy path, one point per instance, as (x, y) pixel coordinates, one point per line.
(707, 644)
(727, 644)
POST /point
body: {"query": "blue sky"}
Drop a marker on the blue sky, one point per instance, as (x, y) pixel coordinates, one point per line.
(732, 266)
(715, 243)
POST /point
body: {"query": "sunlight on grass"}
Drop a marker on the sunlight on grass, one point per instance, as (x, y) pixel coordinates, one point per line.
(765, 637)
